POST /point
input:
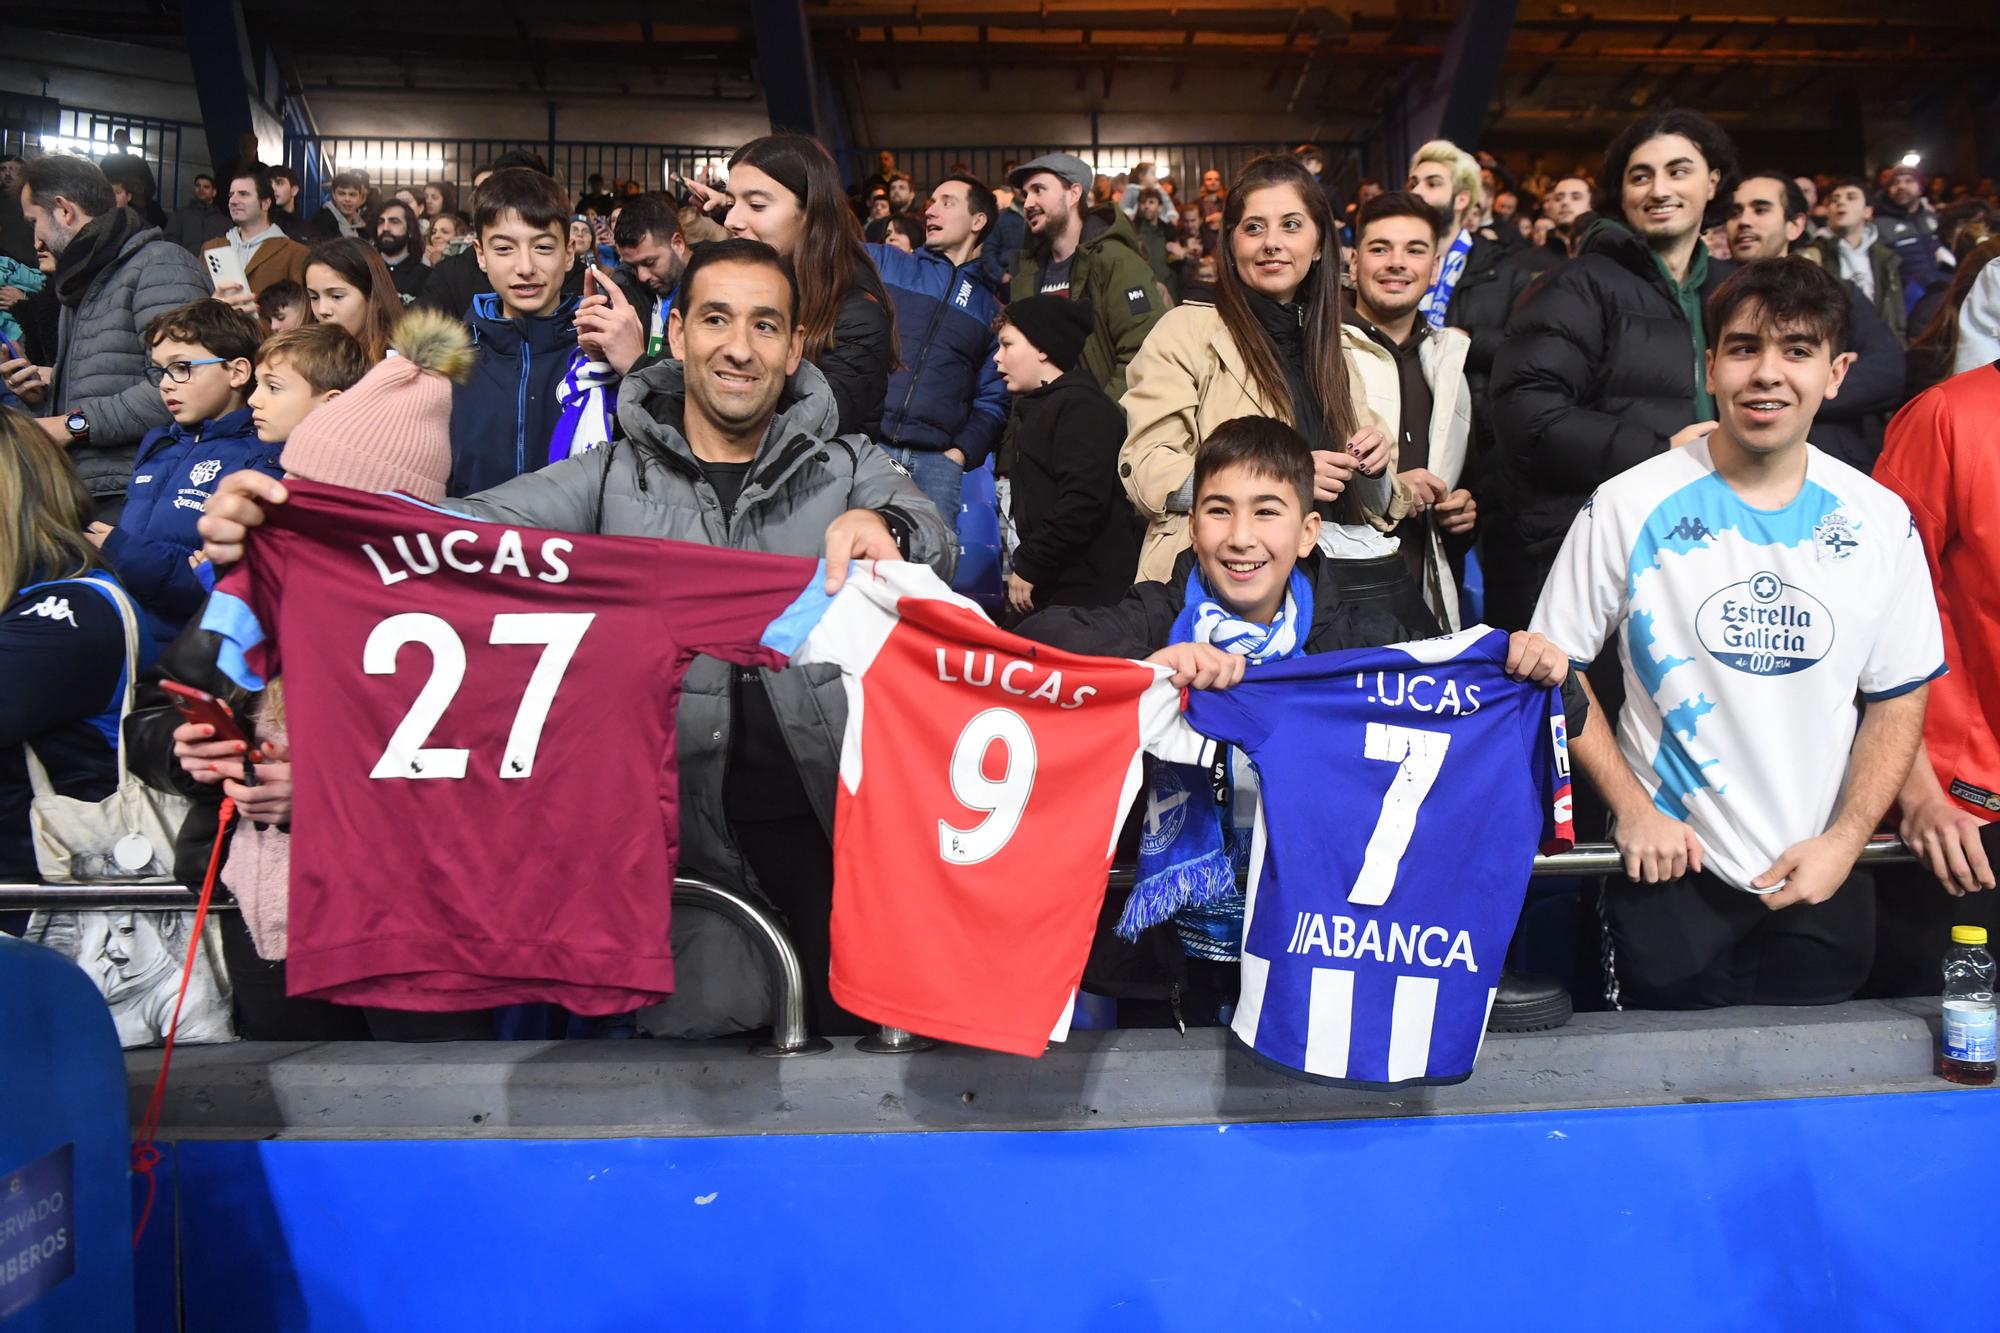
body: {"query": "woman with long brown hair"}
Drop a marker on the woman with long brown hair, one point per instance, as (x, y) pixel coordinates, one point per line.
(785, 191)
(440, 198)
(1270, 346)
(62, 642)
(348, 284)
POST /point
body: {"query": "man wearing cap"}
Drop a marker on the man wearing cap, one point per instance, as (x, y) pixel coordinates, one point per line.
(1091, 256)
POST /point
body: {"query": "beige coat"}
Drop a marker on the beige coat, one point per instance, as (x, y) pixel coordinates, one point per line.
(1187, 380)
(1442, 357)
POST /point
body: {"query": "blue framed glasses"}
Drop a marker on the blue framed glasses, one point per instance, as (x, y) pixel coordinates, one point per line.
(180, 372)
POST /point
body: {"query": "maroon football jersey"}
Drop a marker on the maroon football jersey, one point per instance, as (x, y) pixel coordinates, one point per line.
(485, 805)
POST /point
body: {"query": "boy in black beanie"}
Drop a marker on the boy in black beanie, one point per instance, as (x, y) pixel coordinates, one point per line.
(1079, 536)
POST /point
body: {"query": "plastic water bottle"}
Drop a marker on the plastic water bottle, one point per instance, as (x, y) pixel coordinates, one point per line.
(1969, 1020)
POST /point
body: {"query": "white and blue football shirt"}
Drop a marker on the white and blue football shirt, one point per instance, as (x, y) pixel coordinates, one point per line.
(1404, 793)
(1746, 635)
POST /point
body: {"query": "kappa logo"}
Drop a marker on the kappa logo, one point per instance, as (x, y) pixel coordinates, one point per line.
(205, 471)
(1690, 529)
(1835, 537)
(52, 607)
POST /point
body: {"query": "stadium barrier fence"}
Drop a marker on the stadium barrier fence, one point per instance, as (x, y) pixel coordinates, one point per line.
(789, 1035)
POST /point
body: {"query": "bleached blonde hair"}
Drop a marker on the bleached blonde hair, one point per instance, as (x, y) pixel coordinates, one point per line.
(1464, 168)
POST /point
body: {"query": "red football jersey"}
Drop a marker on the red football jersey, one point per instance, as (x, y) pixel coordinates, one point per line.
(485, 799)
(983, 780)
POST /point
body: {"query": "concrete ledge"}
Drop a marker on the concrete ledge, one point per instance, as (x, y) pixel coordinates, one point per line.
(1096, 1080)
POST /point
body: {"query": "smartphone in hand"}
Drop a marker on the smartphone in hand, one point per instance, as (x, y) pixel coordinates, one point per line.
(199, 706)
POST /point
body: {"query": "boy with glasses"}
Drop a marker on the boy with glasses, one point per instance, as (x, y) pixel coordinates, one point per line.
(201, 357)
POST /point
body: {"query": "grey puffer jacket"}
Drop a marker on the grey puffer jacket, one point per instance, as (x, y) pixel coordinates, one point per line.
(100, 365)
(802, 478)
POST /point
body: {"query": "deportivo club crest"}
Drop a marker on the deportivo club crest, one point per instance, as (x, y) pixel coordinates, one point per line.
(1166, 811)
(1834, 537)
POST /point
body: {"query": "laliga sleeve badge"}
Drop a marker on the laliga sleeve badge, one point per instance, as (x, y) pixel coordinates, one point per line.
(1977, 797)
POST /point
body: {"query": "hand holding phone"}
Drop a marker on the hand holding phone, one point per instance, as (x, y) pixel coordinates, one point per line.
(224, 268)
(201, 708)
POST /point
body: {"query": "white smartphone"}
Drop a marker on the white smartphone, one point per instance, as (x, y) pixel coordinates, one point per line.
(224, 268)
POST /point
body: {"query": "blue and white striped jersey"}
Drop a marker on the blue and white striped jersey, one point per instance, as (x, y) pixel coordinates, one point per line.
(1404, 792)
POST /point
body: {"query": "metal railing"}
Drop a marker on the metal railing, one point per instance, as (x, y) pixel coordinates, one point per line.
(788, 1004)
(1185, 162)
(392, 163)
(789, 1035)
(83, 132)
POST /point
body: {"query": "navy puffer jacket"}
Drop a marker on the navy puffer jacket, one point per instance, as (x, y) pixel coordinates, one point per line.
(949, 394)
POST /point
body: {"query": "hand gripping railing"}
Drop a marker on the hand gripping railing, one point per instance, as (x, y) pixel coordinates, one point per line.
(781, 960)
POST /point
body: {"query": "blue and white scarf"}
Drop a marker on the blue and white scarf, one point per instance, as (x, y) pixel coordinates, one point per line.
(1438, 299)
(587, 401)
(1188, 858)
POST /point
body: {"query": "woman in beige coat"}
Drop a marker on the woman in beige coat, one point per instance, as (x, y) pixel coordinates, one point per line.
(1270, 346)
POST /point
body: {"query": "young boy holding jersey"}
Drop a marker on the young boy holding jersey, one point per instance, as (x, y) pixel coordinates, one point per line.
(1756, 587)
(1253, 588)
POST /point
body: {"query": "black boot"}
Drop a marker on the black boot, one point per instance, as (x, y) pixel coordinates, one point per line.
(1528, 1003)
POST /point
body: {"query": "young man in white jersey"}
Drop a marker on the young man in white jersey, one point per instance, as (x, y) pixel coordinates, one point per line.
(1758, 589)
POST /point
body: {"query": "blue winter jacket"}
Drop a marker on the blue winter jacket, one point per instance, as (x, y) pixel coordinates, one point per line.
(503, 416)
(173, 473)
(949, 394)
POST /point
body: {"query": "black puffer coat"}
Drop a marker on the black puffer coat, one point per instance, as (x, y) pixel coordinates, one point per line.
(857, 366)
(1494, 279)
(1596, 373)
(1079, 536)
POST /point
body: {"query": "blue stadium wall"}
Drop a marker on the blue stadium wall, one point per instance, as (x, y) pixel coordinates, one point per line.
(1823, 1213)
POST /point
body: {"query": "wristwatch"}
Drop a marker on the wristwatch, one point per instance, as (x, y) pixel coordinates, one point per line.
(900, 528)
(78, 426)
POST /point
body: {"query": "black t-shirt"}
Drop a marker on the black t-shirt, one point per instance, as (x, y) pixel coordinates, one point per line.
(761, 779)
(728, 479)
(62, 651)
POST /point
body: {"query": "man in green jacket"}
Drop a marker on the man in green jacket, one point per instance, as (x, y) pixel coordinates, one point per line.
(1086, 255)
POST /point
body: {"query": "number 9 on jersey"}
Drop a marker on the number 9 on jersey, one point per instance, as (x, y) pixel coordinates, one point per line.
(1002, 800)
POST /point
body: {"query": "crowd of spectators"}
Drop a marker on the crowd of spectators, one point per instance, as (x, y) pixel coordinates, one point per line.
(1473, 357)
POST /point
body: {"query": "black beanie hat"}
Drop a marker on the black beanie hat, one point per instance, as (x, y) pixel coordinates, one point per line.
(1057, 326)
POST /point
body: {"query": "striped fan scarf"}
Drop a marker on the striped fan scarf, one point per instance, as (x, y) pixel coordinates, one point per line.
(1188, 859)
(586, 397)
